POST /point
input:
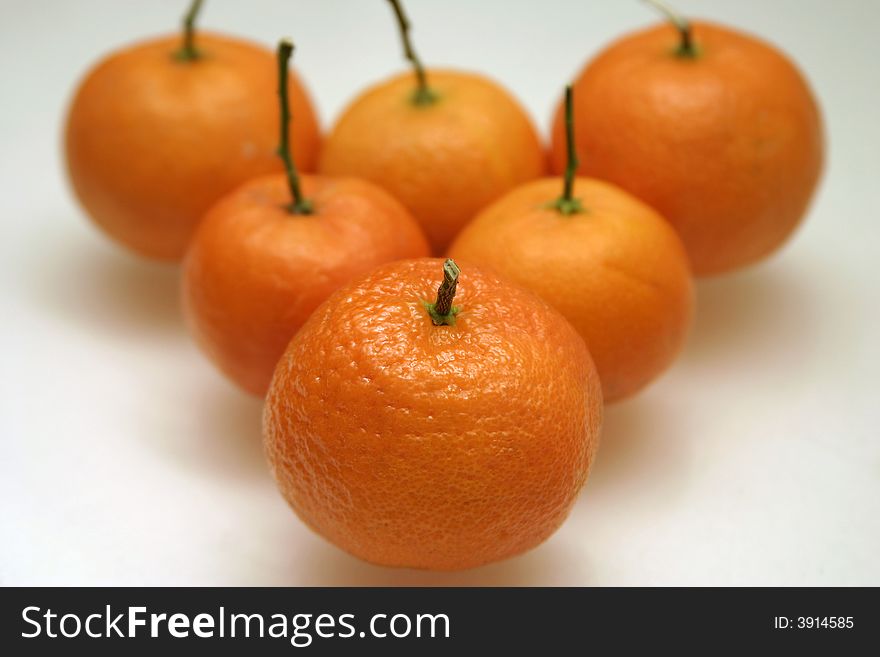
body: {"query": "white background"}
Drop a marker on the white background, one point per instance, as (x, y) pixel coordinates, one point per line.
(126, 459)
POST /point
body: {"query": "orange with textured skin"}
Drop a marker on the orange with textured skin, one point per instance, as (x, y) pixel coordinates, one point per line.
(616, 270)
(443, 160)
(441, 447)
(255, 271)
(152, 140)
(727, 145)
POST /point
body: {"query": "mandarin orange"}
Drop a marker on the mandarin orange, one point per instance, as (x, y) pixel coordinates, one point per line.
(440, 436)
(718, 131)
(445, 144)
(159, 131)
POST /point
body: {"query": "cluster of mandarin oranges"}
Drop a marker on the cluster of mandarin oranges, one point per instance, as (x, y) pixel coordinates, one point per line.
(428, 412)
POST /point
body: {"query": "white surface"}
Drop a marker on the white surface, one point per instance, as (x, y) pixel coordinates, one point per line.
(126, 459)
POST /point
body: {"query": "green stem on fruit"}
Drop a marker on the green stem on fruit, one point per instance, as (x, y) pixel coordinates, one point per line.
(567, 203)
(442, 311)
(423, 94)
(188, 52)
(300, 205)
(686, 46)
